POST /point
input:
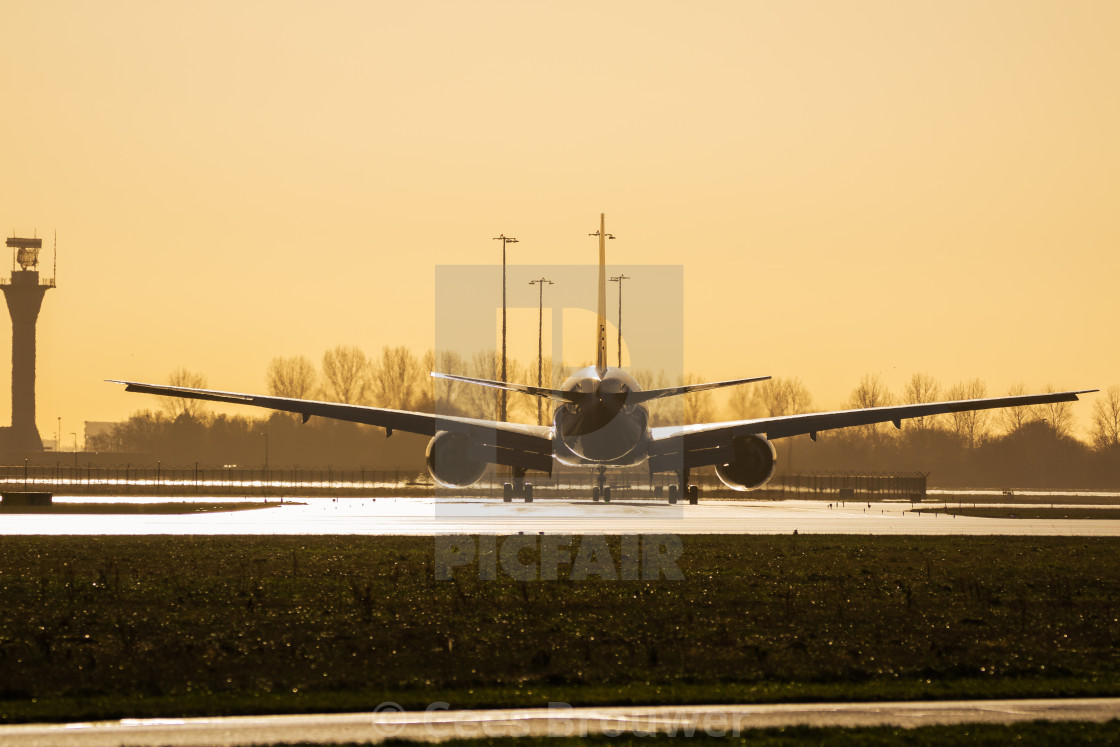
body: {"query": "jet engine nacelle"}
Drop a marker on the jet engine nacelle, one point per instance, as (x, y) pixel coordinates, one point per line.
(449, 463)
(752, 465)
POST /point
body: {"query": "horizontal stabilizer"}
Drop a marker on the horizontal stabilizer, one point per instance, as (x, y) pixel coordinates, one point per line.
(560, 395)
(556, 395)
(673, 391)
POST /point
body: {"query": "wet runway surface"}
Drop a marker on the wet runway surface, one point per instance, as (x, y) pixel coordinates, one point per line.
(438, 724)
(427, 516)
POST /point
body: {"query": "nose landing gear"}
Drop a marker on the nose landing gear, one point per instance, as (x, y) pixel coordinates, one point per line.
(602, 489)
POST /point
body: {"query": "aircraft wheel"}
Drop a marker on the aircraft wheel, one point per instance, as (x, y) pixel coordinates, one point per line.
(528, 493)
(606, 495)
(507, 492)
(693, 494)
(672, 494)
(595, 494)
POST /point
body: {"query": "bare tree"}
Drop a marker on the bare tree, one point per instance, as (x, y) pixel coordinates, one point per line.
(426, 401)
(177, 407)
(661, 411)
(549, 377)
(445, 392)
(922, 388)
(293, 377)
(742, 403)
(779, 396)
(481, 401)
(398, 381)
(871, 392)
(971, 427)
(1058, 415)
(521, 407)
(648, 379)
(1106, 420)
(1012, 419)
(347, 374)
(698, 406)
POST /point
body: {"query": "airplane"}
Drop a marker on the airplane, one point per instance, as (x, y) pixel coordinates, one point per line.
(601, 421)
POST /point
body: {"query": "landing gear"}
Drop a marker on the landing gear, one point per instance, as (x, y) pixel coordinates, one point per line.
(684, 490)
(601, 489)
(517, 487)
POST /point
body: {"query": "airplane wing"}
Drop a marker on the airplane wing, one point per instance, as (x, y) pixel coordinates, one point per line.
(709, 443)
(509, 444)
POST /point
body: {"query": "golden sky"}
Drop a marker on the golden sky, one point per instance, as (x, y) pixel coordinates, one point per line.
(851, 187)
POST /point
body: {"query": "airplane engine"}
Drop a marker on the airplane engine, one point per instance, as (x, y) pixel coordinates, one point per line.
(752, 465)
(449, 463)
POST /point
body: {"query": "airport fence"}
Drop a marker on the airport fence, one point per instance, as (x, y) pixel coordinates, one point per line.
(101, 480)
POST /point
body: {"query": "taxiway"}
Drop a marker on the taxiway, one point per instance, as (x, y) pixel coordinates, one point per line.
(438, 724)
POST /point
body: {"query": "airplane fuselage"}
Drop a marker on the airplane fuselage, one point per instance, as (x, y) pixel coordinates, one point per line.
(601, 428)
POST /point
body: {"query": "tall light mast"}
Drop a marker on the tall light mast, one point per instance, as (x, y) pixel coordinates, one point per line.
(601, 338)
(540, 336)
(502, 393)
(618, 279)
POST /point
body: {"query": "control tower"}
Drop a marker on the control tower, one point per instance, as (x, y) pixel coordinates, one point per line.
(24, 293)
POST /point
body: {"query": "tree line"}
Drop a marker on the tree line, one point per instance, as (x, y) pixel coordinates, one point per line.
(1017, 446)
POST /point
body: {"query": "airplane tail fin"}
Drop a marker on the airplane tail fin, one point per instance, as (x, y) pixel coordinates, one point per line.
(601, 325)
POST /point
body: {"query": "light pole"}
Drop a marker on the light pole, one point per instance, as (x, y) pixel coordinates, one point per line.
(265, 450)
(502, 396)
(540, 336)
(618, 279)
(601, 332)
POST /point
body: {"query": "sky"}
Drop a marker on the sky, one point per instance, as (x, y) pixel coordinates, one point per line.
(849, 187)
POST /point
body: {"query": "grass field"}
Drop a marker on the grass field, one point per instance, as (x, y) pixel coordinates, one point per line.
(107, 627)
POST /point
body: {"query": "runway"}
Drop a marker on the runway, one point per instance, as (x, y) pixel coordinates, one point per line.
(438, 724)
(431, 516)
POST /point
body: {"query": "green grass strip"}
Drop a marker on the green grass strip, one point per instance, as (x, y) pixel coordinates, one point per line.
(109, 627)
